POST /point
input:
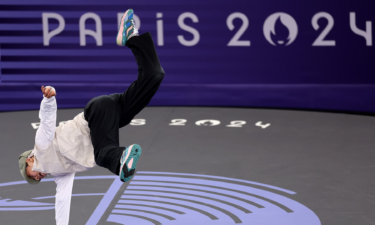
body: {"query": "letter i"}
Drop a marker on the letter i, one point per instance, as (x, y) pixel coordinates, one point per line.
(159, 28)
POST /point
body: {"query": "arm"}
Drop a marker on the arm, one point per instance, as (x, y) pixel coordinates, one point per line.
(63, 198)
(47, 116)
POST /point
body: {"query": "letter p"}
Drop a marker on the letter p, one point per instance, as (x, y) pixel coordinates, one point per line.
(48, 35)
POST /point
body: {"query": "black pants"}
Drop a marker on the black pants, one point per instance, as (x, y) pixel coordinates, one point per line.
(107, 113)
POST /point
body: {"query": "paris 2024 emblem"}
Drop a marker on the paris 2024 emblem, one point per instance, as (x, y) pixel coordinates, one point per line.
(280, 21)
(165, 198)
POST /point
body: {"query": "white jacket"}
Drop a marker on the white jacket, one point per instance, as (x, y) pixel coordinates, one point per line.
(62, 151)
(69, 151)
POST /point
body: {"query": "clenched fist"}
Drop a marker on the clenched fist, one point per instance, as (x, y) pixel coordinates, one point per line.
(48, 91)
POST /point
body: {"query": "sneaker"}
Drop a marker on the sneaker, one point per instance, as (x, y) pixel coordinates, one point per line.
(126, 28)
(129, 161)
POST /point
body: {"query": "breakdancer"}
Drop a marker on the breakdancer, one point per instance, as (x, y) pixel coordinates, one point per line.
(64, 150)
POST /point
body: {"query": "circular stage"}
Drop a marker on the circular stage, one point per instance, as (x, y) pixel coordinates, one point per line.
(210, 166)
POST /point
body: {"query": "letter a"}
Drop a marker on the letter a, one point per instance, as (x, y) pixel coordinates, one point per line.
(83, 32)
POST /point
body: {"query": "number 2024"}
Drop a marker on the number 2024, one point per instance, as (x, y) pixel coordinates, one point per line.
(207, 122)
(319, 41)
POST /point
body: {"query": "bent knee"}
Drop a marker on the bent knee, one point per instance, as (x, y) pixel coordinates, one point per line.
(159, 76)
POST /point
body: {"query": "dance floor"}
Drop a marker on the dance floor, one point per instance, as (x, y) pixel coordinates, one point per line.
(210, 166)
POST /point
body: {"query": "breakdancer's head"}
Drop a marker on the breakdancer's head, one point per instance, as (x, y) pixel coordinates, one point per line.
(26, 165)
(35, 175)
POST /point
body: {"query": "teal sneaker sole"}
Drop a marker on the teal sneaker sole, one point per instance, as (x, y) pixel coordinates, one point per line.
(126, 22)
(129, 161)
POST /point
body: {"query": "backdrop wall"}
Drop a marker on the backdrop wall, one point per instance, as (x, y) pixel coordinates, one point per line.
(290, 54)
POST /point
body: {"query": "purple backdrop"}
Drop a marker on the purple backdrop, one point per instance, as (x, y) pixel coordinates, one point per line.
(288, 54)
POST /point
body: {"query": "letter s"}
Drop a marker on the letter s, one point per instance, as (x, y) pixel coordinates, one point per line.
(183, 26)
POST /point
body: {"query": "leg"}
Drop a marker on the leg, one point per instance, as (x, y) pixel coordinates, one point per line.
(150, 76)
(117, 110)
(103, 115)
(106, 114)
